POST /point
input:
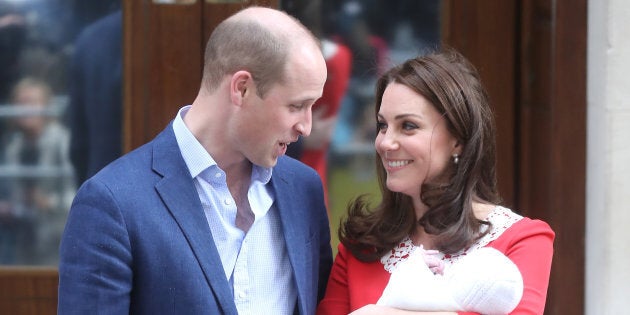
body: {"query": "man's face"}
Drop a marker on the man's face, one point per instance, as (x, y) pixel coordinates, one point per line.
(268, 124)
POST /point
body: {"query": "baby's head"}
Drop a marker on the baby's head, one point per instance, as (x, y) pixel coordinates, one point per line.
(486, 282)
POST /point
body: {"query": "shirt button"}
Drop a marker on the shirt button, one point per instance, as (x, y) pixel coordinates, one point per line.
(227, 201)
(217, 175)
(241, 295)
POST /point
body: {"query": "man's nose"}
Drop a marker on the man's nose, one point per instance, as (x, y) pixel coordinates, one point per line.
(305, 124)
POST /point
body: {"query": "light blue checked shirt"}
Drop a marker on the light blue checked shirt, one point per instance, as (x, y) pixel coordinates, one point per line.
(257, 263)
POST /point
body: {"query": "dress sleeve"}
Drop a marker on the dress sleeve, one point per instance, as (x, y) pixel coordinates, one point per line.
(336, 300)
(529, 244)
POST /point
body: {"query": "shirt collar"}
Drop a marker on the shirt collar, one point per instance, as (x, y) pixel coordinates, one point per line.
(195, 155)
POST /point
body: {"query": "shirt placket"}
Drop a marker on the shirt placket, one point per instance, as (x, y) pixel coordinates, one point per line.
(241, 279)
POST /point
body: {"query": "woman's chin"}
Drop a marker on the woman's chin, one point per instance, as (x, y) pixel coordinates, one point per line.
(395, 187)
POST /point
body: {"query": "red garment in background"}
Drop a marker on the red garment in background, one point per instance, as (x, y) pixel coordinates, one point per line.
(339, 63)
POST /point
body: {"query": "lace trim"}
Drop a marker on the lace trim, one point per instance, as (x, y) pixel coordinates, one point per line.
(501, 218)
(398, 254)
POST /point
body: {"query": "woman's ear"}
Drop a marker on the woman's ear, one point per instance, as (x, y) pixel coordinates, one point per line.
(457, 148)
(240, 85)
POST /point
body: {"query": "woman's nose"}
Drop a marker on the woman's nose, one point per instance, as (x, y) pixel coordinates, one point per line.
(386, 141)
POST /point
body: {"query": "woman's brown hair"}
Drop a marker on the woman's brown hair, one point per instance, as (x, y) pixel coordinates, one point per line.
(452, 85)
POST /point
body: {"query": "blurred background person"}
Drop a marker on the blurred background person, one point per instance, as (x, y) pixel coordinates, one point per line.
(12, 38)
(38, 184)
(95, 112)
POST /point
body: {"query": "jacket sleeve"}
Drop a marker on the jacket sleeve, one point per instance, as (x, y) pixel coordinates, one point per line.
(95, 276)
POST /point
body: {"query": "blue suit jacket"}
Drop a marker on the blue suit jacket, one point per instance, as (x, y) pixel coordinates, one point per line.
(137, 240)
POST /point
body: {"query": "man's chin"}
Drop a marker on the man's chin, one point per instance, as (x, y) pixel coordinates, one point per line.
(269, 163)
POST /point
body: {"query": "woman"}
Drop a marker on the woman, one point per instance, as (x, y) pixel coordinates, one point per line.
(436, 168)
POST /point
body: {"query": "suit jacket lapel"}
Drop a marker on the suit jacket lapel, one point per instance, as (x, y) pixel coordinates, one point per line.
(294, 232)
(178, 192)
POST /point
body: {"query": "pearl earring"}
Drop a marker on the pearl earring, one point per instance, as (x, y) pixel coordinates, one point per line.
(455, 158)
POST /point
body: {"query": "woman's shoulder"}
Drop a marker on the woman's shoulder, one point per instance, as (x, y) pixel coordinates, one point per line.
(346, 258)
(510, 227)
(516, 222)
(507, 225)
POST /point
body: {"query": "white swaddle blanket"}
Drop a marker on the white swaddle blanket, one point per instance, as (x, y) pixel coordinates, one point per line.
(483, 281)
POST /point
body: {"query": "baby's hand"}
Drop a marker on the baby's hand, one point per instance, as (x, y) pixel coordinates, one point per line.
(435, 264)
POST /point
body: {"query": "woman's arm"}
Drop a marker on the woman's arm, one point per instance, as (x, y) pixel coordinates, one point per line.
(529, 244)
(372, 309)
(336, 300)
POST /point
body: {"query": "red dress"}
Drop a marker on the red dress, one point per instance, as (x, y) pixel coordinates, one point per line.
(528, 243)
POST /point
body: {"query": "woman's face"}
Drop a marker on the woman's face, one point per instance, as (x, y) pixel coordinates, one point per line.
(412, 140)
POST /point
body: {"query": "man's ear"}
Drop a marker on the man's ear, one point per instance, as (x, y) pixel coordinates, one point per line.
(240, 86)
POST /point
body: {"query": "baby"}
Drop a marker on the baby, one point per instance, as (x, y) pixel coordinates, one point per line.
(483, 281)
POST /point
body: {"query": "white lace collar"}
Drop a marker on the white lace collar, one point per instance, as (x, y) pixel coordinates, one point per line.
(501, 218)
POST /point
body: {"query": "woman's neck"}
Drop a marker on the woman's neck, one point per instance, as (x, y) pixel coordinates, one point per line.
(420, 237)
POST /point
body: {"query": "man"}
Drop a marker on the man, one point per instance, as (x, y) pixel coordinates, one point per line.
(95, 111)
(210, 217)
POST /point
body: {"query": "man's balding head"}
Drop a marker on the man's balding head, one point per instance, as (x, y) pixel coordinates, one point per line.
(258, 40)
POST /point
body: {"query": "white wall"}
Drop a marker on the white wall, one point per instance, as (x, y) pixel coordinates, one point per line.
(608, 158)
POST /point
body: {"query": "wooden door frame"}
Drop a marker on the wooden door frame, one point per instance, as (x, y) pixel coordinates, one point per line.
(163, 60)
(28, 290)
(532, 58)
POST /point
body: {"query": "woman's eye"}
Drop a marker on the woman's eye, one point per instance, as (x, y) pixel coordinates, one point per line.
(380, 126)
(409, 126)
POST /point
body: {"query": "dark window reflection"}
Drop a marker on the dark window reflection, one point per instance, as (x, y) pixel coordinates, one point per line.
(37, 177)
